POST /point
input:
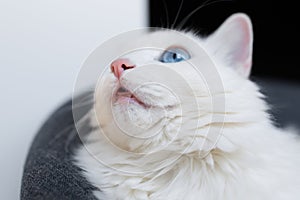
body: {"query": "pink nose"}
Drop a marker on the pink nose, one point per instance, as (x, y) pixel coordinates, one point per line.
(120, 65)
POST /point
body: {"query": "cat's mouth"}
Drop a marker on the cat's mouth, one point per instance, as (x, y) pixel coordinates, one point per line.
(148, 95)
(123, 95)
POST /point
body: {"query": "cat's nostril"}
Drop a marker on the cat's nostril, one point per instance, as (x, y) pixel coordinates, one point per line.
(124, 66)
(120, 65)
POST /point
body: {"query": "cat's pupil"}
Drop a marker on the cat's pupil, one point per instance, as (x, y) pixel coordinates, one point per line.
(174, 56)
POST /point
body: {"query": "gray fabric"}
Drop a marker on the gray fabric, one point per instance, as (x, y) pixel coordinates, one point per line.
(49, 172)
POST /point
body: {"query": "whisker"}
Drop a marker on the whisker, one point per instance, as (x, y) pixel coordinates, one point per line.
(177, 14)
(161, 22)
(167, 14)
(206, 3)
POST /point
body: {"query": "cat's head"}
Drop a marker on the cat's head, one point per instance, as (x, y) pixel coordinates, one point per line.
(178, 88)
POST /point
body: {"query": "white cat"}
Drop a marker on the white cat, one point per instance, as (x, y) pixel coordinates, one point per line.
(167, 132)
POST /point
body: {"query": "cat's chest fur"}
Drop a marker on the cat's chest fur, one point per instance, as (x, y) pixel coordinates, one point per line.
(243, 172)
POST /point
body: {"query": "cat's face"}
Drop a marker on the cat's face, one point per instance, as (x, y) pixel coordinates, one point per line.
(163, 93)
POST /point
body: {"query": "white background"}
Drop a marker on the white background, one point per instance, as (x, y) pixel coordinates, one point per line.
(42, 45)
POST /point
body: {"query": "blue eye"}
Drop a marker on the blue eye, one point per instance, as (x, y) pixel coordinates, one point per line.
(174, 55)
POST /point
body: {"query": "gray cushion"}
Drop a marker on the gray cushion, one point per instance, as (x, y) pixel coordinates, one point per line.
(49, 172)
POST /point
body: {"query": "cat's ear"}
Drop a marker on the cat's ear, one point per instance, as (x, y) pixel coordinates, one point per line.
(232, 43)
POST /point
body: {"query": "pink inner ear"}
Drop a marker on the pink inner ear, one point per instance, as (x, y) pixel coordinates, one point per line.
(243, 54)
(245, 40)
(243, 49)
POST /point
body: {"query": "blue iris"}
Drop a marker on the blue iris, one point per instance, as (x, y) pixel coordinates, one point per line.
(174, 55)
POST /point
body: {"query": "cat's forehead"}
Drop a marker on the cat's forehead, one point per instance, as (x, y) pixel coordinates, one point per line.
(166, 38)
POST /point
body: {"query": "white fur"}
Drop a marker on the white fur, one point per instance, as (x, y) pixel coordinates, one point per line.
(252, 159)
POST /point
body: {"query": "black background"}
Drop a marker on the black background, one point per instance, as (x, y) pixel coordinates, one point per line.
(275, 29)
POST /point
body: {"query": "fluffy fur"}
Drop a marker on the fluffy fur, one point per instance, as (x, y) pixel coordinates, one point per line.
(191, 148)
